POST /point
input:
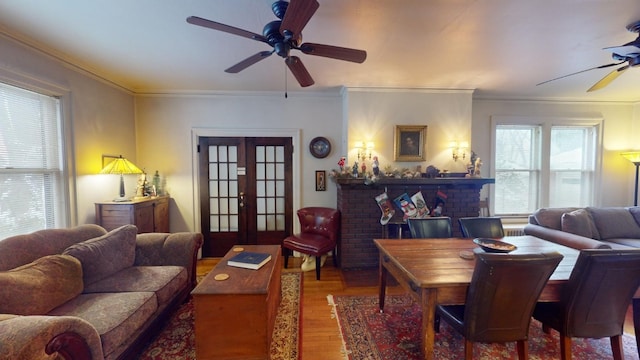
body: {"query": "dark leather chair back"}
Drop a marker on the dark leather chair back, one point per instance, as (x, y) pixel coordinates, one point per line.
(599, 292)
(481, 227)
(319, 234)
(320, 221)
(432, 227)
(503, 293)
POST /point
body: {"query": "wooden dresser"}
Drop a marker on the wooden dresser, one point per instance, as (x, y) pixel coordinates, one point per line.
(234, 318)
(148, 214)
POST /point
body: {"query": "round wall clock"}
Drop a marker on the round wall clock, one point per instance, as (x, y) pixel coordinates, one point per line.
(320, 147)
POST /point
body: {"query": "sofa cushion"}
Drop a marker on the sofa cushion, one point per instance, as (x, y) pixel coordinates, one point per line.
(38, 287)
(579, 222)
(117, 317)
(165, 281)
(614, 222)
(551, 217)
(107, 254)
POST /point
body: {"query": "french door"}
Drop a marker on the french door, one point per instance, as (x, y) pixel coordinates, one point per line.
(245, 188)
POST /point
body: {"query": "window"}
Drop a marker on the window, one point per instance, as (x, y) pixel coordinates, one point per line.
(32, 181)
(548, 164)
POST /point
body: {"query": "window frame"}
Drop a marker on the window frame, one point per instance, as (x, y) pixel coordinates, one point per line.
(67, 173)
(545, 125)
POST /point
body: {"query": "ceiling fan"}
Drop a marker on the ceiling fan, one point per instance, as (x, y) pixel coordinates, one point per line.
(283, 36)
(628, 53)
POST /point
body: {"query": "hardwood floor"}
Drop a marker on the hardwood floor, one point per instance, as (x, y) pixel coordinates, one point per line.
(320, 334)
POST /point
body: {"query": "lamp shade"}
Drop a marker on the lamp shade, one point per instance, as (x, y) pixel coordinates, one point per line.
(121, 166)
(633, 156)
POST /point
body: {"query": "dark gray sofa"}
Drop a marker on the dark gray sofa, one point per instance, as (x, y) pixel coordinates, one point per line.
(587, 228)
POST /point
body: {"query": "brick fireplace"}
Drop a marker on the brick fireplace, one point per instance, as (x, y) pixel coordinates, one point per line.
(361, 215)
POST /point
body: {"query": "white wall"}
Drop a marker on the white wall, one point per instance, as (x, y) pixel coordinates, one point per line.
(164, 138)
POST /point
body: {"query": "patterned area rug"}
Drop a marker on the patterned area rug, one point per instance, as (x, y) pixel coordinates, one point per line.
(395, 335)
(177, 339)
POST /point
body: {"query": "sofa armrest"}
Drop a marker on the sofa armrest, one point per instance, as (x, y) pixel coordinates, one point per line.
(179, 249)
(46, 337)
(564, 238)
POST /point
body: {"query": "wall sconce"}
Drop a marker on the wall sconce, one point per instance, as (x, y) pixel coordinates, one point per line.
(634, 157)
(364, 152)
(119, 166)
(458, 149)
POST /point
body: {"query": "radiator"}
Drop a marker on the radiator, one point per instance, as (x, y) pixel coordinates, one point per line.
(514, 232)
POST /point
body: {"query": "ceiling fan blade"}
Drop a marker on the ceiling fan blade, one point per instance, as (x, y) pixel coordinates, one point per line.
(226, 28)
(299, 71)
(581, 71)
(248, 62)
(334, 52)
(298, 14)
(625, 50)
(608, 78)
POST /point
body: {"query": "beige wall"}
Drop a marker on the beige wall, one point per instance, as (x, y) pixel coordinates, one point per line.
(101, 117)
(156, 132)
(372, 115)
(165, 133)
(620, 132)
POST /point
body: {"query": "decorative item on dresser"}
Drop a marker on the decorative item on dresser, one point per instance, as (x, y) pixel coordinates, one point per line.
(148, 214)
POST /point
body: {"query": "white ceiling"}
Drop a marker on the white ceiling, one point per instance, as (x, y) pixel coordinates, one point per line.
(500, 48)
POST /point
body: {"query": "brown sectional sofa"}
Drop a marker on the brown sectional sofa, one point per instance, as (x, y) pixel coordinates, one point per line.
(83, 293)
(587, 228)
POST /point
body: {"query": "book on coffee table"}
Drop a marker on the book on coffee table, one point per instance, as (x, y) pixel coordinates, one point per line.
(249, 260)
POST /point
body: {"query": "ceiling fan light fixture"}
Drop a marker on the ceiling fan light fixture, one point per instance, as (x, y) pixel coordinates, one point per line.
(282, 49)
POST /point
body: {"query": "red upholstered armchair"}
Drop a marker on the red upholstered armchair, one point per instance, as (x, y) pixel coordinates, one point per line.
(319, 232)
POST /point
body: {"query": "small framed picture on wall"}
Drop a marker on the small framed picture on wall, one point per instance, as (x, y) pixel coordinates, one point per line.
(321, 180)
(410, 143)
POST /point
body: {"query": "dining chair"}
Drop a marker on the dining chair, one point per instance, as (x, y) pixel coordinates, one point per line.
(595, 300)
(501, 297)
(477, 227)
(319, 232)
(431, 227)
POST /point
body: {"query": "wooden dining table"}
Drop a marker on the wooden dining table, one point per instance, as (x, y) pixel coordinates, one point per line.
(436, 271)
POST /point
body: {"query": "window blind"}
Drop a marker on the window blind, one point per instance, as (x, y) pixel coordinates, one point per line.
(31, 170)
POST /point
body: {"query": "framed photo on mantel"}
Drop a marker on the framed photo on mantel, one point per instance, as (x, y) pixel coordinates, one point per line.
(410, 143)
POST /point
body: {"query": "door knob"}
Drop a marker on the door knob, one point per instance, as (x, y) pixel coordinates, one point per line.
(241, 200)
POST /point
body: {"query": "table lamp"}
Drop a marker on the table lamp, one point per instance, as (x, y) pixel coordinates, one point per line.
(634, 157)
(120, 166)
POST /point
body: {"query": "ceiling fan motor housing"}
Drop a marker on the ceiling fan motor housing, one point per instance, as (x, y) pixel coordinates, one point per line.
(272, 32)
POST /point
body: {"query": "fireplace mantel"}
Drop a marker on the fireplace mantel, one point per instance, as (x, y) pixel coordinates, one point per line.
(440, 181)
(361, 214)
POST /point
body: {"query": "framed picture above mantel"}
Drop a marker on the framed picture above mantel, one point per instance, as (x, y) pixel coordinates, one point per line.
(410, 143)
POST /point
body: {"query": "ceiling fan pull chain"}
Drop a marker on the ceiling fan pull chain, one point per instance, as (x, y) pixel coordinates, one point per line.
(285, 83)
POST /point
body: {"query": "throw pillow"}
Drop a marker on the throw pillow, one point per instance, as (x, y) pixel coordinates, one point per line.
(635, 212)
(551, 217)
(41, 286)
(614, 223)
(107, 254)
(579, 222)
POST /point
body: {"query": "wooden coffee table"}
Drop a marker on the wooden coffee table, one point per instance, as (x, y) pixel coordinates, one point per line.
(234, 318)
